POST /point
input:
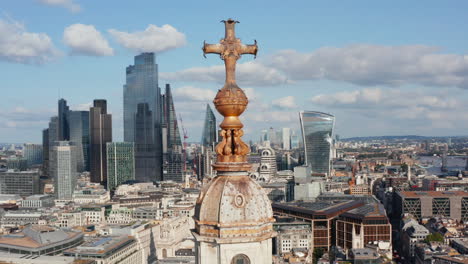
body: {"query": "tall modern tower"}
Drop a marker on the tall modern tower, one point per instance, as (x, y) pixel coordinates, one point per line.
(53, 138)
(209, 128)
(172, 143)
(145, 154)
(286, 138)
(79, 136)
(120, 163)
(63, 132)
(63, 162)
(317, 133)
(45, 152)
(100, 130)
(141, 87)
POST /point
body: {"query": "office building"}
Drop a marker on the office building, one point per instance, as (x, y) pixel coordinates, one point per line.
(209, 129)
(317, 133)
(173, 163)
(24, 183)
(33, 154)
(17, 164)
(120, 163)
(141, 87)
(63, 132)
(100, 133)
(63, 162)
(53, 138)
(107, 250)
(425, 204)
(45, 152)
(286, 138)
(364, 225)
(145, 154)
(79, 137)
(38, 201)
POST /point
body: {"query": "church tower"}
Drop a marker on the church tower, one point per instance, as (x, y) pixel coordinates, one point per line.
(233, 215)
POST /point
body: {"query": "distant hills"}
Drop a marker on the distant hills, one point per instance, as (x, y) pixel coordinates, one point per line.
(406, 137)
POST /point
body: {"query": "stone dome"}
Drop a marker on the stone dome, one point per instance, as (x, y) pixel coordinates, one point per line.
(233, 206)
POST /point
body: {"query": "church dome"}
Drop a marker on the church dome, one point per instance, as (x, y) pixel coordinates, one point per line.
(233, 206)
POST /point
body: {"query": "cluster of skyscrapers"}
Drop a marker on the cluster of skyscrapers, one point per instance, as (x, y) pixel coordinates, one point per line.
(78, 141)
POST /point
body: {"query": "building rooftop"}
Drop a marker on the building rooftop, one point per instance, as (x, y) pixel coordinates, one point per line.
(36, 236)
(443, 194)
(318, 208)
(368, 211)
(100, 245)
(9, 258)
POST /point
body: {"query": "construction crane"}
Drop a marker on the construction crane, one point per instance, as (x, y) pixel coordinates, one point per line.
(184, 151)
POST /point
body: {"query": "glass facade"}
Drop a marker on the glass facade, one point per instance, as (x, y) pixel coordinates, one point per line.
(79, 136)
(63, 132)
(142, 88)
(120, 163)
(53, 138)
(209, 128)
(173, 163)
(145, 155)
(33, 154)
(100, 131)
(317, 133)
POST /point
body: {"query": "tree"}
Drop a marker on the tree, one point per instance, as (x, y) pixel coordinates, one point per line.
(434, 237)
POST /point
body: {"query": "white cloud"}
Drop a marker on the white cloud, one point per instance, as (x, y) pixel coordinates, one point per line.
(152, 39)
(20, 117)
(397, 111)
(68, 4)
(83, 107)
(86, 40)
(191, 93)
(287, 102)
(249, 73)
(377, 97)
(19, 46)
(375, 65)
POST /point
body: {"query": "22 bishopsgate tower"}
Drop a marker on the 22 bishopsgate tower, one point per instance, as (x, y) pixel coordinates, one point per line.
(142, 116)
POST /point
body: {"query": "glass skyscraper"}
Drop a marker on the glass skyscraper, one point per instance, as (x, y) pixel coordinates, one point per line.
(63, 132)
(142, 88)
(145, 154)
(173, 162)
(120, 163)
(100, 131)
(79, 136)
(317, 133)
(209, 128)
(53, 138)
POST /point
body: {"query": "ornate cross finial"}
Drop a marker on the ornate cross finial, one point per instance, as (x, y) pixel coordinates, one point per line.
(231, 101)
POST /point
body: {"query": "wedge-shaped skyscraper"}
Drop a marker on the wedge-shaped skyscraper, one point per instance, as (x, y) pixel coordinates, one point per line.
(317, 133)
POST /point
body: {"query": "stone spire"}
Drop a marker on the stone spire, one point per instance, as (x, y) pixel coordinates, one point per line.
(233, 215)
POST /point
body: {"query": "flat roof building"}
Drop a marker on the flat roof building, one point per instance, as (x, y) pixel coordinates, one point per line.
(422, 204)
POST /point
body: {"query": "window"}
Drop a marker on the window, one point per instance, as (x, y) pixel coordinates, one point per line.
(240, 259)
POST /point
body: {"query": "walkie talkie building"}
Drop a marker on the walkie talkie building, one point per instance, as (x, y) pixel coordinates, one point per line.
(317, 134)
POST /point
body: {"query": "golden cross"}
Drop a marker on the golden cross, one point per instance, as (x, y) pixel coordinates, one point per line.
(230, 50)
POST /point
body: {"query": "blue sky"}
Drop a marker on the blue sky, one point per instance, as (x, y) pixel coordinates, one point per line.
(390, 68)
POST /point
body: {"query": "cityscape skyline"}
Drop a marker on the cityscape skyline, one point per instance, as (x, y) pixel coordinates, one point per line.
(311, 82)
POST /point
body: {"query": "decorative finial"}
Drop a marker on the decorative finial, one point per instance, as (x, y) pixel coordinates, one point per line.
(231, 101)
